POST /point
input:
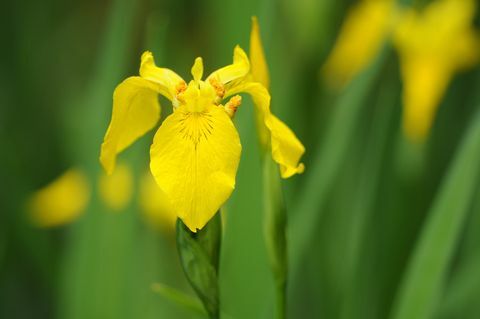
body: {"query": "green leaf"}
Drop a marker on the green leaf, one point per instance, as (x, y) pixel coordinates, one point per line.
(199, 256)
(425, 275)
(180, 298)
(326, 163)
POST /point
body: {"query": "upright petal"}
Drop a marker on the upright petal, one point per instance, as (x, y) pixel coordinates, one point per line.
(259, 68)
(197, 69)
(287, 150)
(235, 71)
(194, 159)
(167, 82)
(259, 72)
(136, 110)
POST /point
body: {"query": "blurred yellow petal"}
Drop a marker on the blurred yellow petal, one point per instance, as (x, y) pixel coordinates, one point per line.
(259, 68)
(433, 45)
(61, 201)
(194, 159)
(235, 71)
(286, 149)
(156, 205)
(116, 189)
(136, 110)
(424, 85)
(361, 36)
(167, 81)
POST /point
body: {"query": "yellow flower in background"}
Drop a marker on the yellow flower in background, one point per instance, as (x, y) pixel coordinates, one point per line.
(365, 29)
(61, 201)
(116, 189)
(196, 150)
(155, 204)
(433, 45)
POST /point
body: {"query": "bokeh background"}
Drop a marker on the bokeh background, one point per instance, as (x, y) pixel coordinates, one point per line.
(357, 215)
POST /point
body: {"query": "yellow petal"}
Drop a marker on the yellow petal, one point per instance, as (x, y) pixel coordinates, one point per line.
(361, 36)
(116, 189)
(197, 69)
(259, 68)
(155, 204)
(433, 45)
(136, 110)
(167, 81)
(194, 159)
(61, 201)
(235, 71)
(287, 150)
(424, 87)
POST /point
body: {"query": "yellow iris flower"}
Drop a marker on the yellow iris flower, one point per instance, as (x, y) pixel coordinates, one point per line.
(433, 45)
(196, 151)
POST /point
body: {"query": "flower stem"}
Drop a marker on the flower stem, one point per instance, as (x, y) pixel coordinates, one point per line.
(199, 255)
(275, 231)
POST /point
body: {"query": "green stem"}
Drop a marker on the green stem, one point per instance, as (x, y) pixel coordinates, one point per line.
(199, 255)
(275, 231)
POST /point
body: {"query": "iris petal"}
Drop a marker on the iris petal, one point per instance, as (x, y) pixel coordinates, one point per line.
(235, 71)
(286, 148)
(194, 159)
(136, 110)
(166, 80)
(257, 57)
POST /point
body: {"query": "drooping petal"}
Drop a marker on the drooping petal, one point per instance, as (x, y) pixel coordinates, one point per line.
(287, 150)
(116, 189)
(235, 71)
(194, 159)
(61, 201)
(259, 73)
(167, 82)
(259, 68)
(136, 110)
(425, 82)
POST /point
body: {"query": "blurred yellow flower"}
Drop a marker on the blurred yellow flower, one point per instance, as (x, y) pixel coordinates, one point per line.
(365, 29)
(155, 204)
(196, 150)
(116, 189)
(433, 45)
(61, 201)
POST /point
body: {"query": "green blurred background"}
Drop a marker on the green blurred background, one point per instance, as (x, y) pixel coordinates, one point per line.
(356, 215)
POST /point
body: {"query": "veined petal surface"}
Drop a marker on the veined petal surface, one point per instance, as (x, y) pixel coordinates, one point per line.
(194, 159)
